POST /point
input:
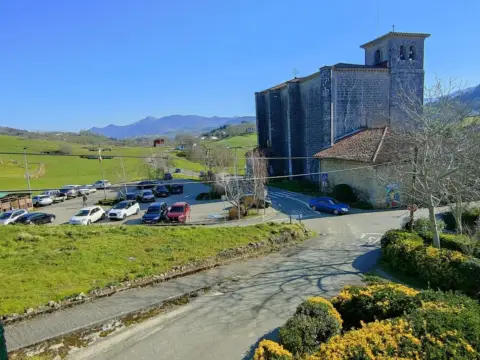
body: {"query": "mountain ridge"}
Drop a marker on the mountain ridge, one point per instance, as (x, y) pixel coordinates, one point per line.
(168, 125)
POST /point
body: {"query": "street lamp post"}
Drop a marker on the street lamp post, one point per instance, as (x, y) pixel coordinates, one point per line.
(101, 172)
(26, 170)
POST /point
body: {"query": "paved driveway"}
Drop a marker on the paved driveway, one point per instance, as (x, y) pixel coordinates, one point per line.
(228, 322)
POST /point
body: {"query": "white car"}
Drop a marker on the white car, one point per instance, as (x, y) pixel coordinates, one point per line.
(9, 217)
(102, 184)
(87, 216)
(42, 200)
(91, 188)
(82, 189)
(124, 209)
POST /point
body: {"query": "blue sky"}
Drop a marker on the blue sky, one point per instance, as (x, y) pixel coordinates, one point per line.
(70, 65)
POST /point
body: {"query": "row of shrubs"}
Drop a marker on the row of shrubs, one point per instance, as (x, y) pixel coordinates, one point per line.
(470, 217)
(440, 268)
(380, 321)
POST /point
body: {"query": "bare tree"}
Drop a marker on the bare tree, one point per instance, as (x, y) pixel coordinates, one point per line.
(256, 176)
(234, 188)
(220, 159)
(431, 151)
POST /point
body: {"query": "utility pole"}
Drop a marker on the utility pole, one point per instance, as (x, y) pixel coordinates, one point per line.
(101, 172)
(26, 170)
(236, 160)
(124, 175)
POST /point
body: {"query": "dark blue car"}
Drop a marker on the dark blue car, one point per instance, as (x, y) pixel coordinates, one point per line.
(155, 213)
(328, 204)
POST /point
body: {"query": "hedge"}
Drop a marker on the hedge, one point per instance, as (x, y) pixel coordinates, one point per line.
(315, 321)
(461, 243)
(270, 350)
(443, 269)
(375, 302)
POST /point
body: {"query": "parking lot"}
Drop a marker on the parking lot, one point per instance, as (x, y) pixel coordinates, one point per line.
(199, 209)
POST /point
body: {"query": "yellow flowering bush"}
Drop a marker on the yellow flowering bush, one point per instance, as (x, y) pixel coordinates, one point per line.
(444, 269)
(315, 321)
(374, 302)
(376, 340)
(270, 350)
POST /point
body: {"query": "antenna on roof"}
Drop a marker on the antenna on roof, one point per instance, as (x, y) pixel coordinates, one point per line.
(295, 72)
(393, 28)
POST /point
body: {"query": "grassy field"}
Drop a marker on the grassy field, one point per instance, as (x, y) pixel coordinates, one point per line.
(49, 263)
(56, 171)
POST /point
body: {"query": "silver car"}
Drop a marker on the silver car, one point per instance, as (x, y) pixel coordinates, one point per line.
(9, 217)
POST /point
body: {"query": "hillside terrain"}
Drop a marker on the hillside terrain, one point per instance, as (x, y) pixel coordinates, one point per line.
(168, 126)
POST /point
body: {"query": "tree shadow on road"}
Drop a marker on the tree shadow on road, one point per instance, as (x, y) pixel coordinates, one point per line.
(272, 335)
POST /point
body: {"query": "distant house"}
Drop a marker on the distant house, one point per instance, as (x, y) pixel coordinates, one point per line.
(202, 138)
(181, 147)
(158, 142)
(250, 130)
(214, 138)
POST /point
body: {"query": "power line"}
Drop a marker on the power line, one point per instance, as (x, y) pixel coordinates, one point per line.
(159, 156)
(232, 177)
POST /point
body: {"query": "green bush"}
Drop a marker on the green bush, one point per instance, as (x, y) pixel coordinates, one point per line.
(448, 324)
(471, 216)
(462, 243)
(315, 321)
(344, 193)
(211, 195)
(375, 302)
(443, 269)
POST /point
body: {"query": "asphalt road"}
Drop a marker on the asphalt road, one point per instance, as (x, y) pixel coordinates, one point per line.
(228, 322)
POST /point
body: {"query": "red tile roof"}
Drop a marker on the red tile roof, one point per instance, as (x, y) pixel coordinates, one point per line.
(364, 146)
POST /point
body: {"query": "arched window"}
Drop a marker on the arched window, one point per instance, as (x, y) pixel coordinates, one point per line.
(412, 54)
(378, 57)
(402, 52)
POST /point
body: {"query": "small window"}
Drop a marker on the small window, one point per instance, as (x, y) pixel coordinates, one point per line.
(402, 52)
(412, 53)
(378, 57)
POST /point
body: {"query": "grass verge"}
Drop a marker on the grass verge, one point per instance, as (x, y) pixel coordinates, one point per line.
(39, 264)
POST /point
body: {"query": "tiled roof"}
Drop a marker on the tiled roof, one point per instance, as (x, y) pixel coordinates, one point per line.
(363, 146)
(393, 34)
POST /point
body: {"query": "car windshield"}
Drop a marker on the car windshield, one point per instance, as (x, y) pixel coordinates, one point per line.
(161, 188)
(64, 191)
(153, 210)
(82, 212)
(333, 202)
(121, 205)
(177, 209)
(147, 193)
(5, 215)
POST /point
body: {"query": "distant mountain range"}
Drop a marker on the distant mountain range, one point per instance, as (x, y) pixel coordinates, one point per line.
(169, 126)
(470, 96)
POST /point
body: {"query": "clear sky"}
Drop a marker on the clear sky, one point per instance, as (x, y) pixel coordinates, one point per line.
(70, 65)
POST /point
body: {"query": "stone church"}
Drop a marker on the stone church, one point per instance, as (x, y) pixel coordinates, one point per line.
(340, 104)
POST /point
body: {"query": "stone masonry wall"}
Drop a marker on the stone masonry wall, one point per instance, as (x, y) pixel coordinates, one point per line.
(276, 130)
(297, 128)
(262, 120)
(360, 99)
(316, 96)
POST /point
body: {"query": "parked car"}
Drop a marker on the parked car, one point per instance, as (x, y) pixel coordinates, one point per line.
(50, 192)
(9, 217)
(176, 189)
(123, 209)
(91, 188)
(180, 211)
(87, 216)
(35, 218)
(42, 200)
(147, 184)
(249, 201)
(155, 213)
(102, 184)
(59, 197)
(69, 192)
(167, 176)
(161, 191)
(177, 170)
(145, 196)
(82, 190)
(131, 196)
(328, 204)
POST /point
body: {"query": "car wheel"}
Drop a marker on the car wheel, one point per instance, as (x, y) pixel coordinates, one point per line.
(335, 212)
(51, 219)
(137, 211)
(89, 222)
(124, 216)
(314, 208)
(103, 216)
